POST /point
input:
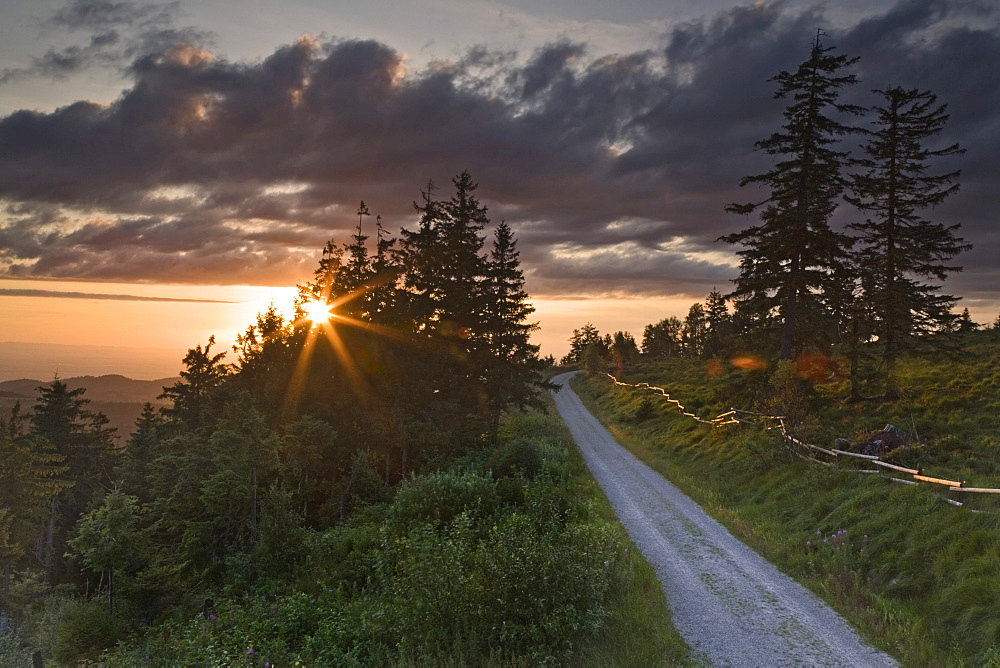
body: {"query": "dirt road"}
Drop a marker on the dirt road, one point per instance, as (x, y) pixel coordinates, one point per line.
(730, 605)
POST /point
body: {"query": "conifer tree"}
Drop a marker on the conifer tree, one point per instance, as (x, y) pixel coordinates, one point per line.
(718, 340)
(417, 255)
(787, 261)
(582, 339)
(695, 331)
(462, 269)
(512, 368)
(31, 476)
(204, 373)
(663, 339)
(142, 448)
(900, 249)
(83, 440)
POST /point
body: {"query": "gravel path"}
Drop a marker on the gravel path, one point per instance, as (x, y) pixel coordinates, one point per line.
(731, 606)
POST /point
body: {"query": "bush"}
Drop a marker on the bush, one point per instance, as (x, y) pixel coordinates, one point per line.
(11, 651)
(87, 632)
(438, 498)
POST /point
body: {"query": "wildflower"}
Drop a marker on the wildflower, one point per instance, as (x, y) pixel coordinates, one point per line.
(808, 543)
(250, 651)
(212, 617)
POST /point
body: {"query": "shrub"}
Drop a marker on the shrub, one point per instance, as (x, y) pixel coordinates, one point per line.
(87, 632)
(438, 498)
(12, 653)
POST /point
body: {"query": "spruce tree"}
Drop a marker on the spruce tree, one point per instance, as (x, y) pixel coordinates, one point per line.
(31, 476)
(512, 365)
(81, 437)
(695, 331)
(788, 260)
(462, 268)
(720, 325)
(203, 374)
(583, 338)
(902, 253)
(663, 339)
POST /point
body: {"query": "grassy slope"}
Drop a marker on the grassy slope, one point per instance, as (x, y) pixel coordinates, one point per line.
(919, 578)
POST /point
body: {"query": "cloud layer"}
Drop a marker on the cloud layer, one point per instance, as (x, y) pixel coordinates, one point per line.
(613, 170)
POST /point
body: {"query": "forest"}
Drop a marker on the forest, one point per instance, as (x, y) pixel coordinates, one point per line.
(351, 472)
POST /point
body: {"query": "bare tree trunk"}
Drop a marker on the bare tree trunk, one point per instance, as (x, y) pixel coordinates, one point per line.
(253, 506)
(50, 543)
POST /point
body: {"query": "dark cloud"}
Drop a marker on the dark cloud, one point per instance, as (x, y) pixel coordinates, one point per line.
(16, 292)
(613, 170)
(117, 33)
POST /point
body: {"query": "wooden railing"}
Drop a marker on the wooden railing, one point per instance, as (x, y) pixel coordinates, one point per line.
(803, 450)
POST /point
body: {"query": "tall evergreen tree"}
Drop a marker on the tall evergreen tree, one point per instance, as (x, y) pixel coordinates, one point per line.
(418, 254)
(31, 476)
(141, 449)
(513, 364)
(85, 443)
(899, 248)
(462, 268)
(787, 261)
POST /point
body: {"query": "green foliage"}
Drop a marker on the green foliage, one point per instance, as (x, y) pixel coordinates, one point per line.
(87, 632)
(448, 569)
(12, 652)
(436, 499)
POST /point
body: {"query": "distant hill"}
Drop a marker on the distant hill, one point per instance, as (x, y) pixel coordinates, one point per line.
(112, 387)
(118, 397)
(19, 359)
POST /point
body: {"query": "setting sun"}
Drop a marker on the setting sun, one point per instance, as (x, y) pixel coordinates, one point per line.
(317, 311)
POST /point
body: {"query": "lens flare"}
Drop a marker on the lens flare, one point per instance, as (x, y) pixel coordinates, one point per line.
(317, 311)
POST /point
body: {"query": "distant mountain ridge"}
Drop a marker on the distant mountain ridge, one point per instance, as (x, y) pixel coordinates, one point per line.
(110, 387)
(20, 360)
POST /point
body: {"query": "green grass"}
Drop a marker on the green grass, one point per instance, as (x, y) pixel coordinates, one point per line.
(924, 584)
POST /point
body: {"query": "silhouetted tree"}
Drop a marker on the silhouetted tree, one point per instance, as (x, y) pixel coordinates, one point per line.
(719, 339)
(512, 368)
(788, 260)
(898, 246)
(695, 331)
(578, 343)
(204, 373)
(663, 339)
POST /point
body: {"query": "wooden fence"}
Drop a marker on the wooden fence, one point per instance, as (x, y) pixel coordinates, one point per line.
(807, 451)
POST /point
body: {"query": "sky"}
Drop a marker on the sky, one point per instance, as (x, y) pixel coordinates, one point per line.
(169, 169)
